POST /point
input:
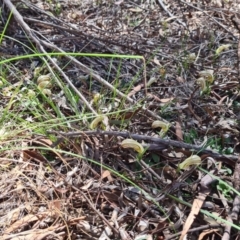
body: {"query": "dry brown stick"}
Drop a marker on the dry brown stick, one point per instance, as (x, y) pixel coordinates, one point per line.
(230, 159)
(190, 106)
(238, 54)
(148, 168)
(19, 19)
(227, 229)
(236, 23)
(236, 182)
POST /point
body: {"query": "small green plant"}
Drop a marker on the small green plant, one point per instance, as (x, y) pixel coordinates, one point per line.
(58, 8)
(190, 136)
(225, 190)
(228, 150)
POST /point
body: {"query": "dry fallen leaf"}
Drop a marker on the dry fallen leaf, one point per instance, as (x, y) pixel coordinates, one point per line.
(135, 90)
(106, 174)
(136, 10)
(179, 133)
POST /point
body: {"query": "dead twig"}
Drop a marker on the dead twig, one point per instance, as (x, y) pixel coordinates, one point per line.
(238, 54)
(190, 106)
(236, 182)
(227, 229)
(229, 159)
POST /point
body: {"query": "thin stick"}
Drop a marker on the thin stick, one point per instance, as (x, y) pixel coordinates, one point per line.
(230, 159)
